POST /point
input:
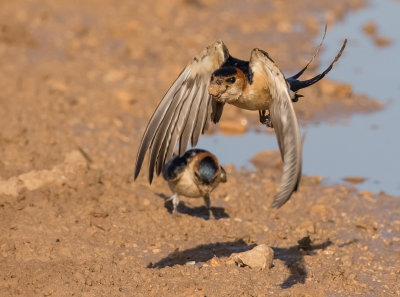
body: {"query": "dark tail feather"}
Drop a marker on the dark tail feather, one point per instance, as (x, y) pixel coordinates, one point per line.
(296, 85)
(296, 76)
(217, 109)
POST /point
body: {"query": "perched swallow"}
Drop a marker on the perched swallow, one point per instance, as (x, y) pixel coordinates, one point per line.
(195, 174)
(214, 78)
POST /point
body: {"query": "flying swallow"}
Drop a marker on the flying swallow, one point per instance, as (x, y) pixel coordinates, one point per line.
(206, 84)
(195, 174)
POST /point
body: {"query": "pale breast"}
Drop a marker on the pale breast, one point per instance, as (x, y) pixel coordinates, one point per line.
(260, 100)
(255, 96)
(186, 186)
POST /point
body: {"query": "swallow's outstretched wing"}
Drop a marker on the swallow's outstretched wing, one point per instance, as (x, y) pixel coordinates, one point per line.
(183, 112)
(284, 122)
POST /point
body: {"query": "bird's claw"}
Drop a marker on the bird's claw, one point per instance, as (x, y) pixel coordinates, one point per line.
(207, 202)
(211, 215)
(265, 119)
(175, 213)
(175, 201)
(296, 97)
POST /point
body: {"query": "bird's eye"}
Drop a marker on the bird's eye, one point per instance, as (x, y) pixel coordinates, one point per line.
(212, 78)
(231, 80)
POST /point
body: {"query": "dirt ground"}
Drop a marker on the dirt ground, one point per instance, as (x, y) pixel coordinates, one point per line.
(79, 81)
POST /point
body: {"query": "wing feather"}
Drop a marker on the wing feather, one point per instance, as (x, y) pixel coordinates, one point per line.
(162, 130)
(182, 111)
(166, 135)
(178, 126)
(217, 109)
(194, 110)
(285, 125)
(201, 118)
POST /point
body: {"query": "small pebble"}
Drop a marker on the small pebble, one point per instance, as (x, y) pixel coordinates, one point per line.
(260, 257)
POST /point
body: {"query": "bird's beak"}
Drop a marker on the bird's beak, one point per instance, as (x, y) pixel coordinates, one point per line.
(213, 90)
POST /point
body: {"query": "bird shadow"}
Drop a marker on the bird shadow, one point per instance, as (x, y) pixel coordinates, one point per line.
(203, 253)
(293, 257)
(199, 212)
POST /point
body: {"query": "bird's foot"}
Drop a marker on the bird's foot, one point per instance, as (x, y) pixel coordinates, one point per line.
(265, 119)
(211, 215)
(296, 97)
(207, 202)
(175, 213)
(175, 201)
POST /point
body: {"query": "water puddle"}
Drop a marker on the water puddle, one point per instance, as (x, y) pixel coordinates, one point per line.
(366, 146)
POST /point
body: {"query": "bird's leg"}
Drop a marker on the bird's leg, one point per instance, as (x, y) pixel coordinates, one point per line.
(207, 201)
(175, 201)
(265, 119)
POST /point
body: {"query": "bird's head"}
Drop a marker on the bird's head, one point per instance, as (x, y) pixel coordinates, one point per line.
(206, 168)
(227, 84)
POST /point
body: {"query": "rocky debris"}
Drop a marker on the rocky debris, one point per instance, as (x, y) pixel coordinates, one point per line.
(382, 41)
(306, 227)
(335, 89)
(370, 28)
(260, 257)
(354, 179)
(214, 262)
(267, 159)
(35, 179)
(321, 212)
(367, 223)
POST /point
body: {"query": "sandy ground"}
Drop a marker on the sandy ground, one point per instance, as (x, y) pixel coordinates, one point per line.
(80, 80)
